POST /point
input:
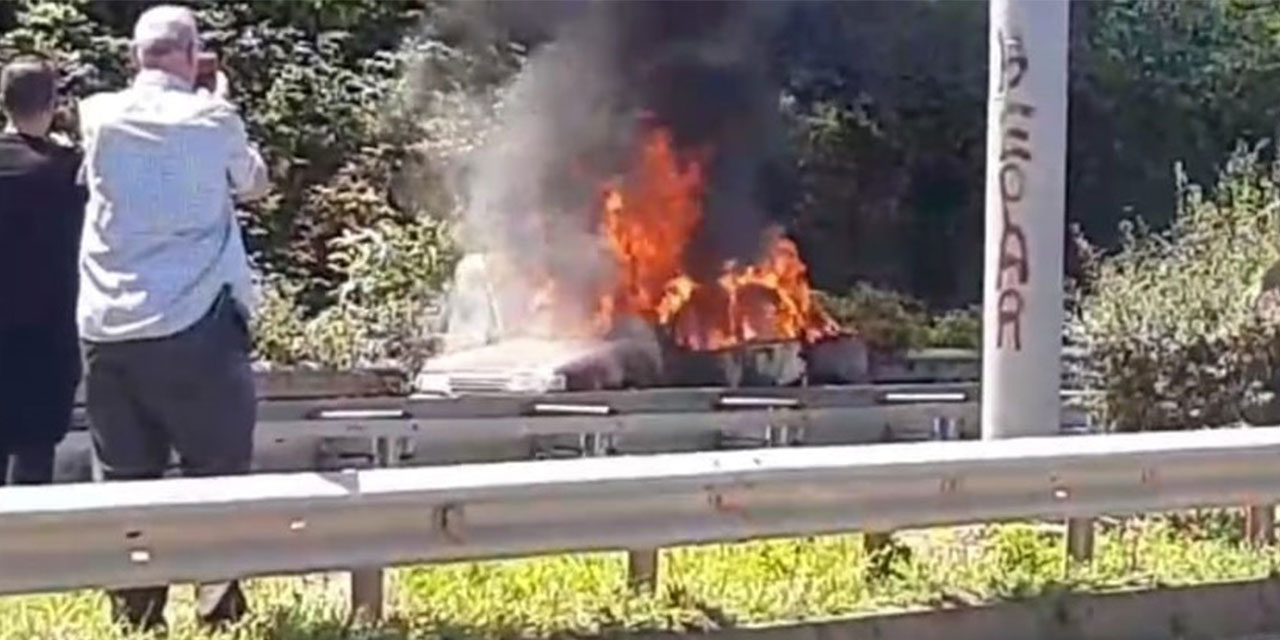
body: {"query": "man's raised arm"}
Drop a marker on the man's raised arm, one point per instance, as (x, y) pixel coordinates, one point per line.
(246, 170)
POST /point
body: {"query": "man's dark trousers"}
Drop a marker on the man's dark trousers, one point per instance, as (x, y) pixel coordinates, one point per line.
(192, 392)
(39, 372)
(27, 464)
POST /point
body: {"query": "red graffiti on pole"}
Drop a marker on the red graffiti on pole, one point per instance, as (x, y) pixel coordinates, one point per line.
(1013, 267)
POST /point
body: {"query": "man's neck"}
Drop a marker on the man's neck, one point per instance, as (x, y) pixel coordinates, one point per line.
(28, 129)
(164, 78)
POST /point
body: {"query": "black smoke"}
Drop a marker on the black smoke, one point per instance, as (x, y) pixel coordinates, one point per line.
(573, 117)
(703, 70)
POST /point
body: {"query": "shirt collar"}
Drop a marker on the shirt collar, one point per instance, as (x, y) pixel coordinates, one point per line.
(162, 79)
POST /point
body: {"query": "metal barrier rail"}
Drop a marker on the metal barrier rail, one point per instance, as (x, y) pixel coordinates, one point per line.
(335, 433)
(329, 434)
(206, 529)
(317, 434)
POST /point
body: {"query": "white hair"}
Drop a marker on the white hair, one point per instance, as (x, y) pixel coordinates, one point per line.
(163, 30)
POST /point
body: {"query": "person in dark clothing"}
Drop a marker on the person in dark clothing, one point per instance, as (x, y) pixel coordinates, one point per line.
(41, 212)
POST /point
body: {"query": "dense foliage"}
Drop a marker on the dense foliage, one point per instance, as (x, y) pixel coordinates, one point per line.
(892, 322)
(889, 103)
(1170, 322)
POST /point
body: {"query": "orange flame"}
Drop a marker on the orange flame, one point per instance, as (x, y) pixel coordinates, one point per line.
(648, 219)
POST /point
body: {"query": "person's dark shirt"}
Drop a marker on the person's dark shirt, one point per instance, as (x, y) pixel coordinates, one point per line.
(41, 212)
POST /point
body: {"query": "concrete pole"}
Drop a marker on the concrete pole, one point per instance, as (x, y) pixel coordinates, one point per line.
(1025, 222)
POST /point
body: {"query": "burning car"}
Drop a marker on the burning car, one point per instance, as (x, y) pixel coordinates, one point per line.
(619, 219)
(653, 322)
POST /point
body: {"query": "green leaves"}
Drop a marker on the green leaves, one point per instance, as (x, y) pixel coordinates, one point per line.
(1169, 322)
(892, 322)
(391, 275)
(91, 56)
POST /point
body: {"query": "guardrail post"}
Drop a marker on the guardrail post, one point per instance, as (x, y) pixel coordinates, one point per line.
(875, 543)
(642, 564)
(368, 584)
(1260, 524)
(643, 568)
(943, 428)
(946, 428)
(1079, 540)
(367, 594)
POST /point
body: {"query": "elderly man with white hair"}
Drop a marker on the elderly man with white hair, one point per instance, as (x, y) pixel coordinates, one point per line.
(165, 286)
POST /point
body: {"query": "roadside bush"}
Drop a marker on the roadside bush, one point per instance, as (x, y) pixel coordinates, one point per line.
(384, 311)
(955, 329)
(891, 321)
(1168, 322)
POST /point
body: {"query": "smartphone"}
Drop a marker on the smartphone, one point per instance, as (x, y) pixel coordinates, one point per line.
(207, 70)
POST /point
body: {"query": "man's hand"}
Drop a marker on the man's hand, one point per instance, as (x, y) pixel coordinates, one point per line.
(221, 86)
(210, 77)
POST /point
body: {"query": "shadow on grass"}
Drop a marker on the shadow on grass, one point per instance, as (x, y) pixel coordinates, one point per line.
(681, 612)
(284, 625)
(281, 625)
(297, 629)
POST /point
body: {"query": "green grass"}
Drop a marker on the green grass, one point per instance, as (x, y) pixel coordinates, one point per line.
(706, 587)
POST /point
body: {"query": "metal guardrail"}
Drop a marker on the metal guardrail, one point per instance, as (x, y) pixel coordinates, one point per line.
(207, 529)
(316, 421)
(927, 366)
(325, 420)
(317, 433)
(329, 434)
